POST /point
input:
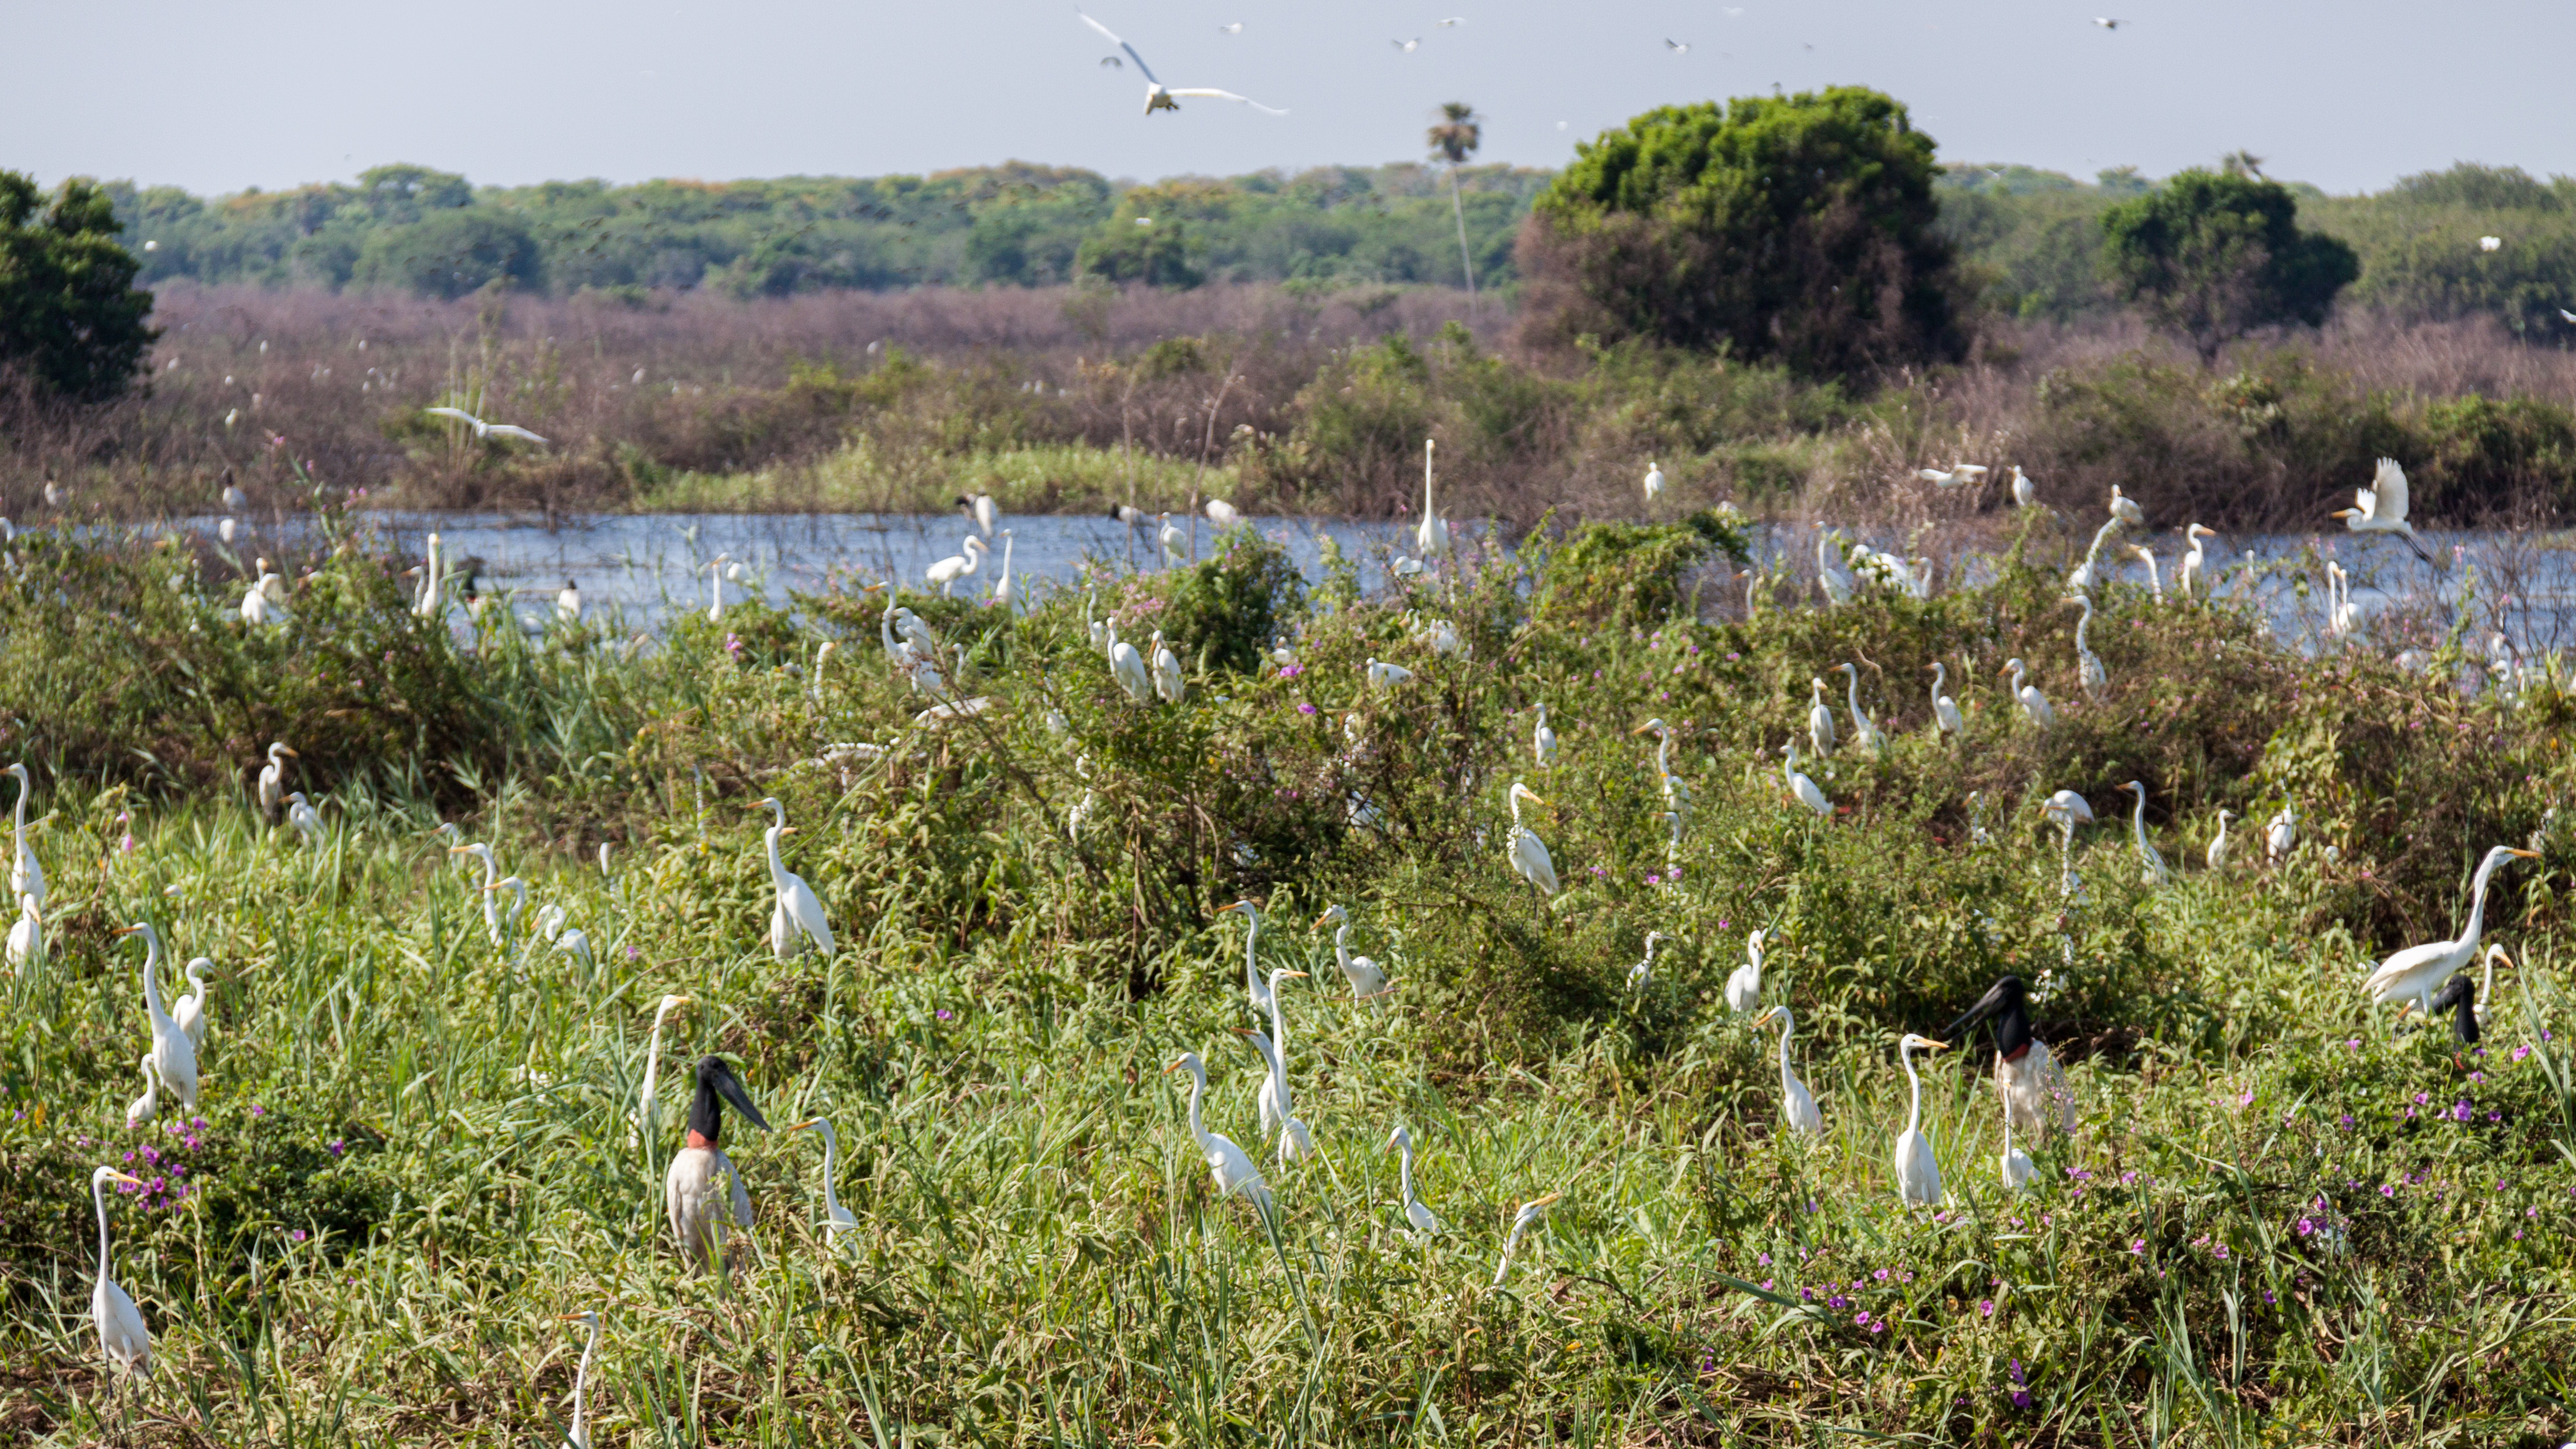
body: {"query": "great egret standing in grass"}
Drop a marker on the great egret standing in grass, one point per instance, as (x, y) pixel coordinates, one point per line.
(798, 914)
(481, 428)
(1529, 857)
(579, 1438)
(1273, 1096)
(1255, 988)
(2218, 843)
(173, 1055)
(1744, 987)
(1366, 978)
(1800, 787)
(1531, 1214)
(1543, 739)
(2281, 834)
(1820, 721)
(1798, 1111)
(1002, 595)
(518, 890)
(256, 607)
(272, 779)
(491, 881)
(191, 1011)
(2382, 507)
(2151, 862)
(306, 820)
(1865, 733)
(1836, 584)
(1295, 1141)
(144, 1108)
(949, 570)
(689, 1190)
(1229, 1166)
(1425, 1225)
(121, 1334)
(2026, 1074)
(1431, 536)
(1159, 97)
(647, 1108)
(2418, 971)
(26, 877)
(1918, 1173)
(2034, 705)
(27, 936)
(2014, 1165)
(1946, 718)
(836, 1218)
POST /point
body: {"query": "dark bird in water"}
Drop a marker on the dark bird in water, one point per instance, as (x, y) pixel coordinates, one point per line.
(2036, 1097)
(690, 1189)
(2460, 995)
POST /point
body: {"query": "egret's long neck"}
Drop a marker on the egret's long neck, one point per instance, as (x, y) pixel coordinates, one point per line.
(580, 1385)
(1404, 1169)
(777, 867)
(1851, 679)
(1786, 1027)
(1940, 677)
(2138, 818)
(98, 1199)
(1913, 1114)
(1342, 948)
(2478, 903)
(1278, 1048)
(830, 1199)
(1664, 754)
(1006, 558)
(1251, 961)
(1198, 1089)
(152, 973)
(652, 1065)
(1516, 810)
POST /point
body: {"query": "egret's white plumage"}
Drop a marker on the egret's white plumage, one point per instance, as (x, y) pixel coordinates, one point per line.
(272, 779)
(1543, 739)
(798, 908)
(1365, 976)
(2034, 705)
(1530, 1215)
(1800, 787)
(2382, 507)
(1255, 989)
(2025, 489)
(1168, 685)
(191, 1010)
(2125, 508)
(1918, 1173)
(1744, 986)
(579, 1438)
(1127, 666)
(173, 1055)
(481, 428)
(306, 820)
(142, 1109)
(1820, 721)
(647, 1106)
(2415, 973)
(1159, 97)
(1229, 1166)
(1529, 857)
(2088, 665)
(2151, 863)
(26, 877)
(949, 570)
(1945, 710)
(1654, 481)
(836, 1218)
(1865, 733)
(2219, 843)
(1383, 676)
(121, 1334)
(27, 936)
(2194, 560)
(1431, 536)
(1798, 1111)
(1425, 1225)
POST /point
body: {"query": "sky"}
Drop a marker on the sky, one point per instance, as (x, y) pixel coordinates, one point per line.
(274, 93)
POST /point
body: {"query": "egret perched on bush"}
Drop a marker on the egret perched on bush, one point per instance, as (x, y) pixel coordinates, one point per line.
(257, 608)
(2281, 834)
(1918, 1173)
(1945, 710)
(1222, 514)
(836, 1218)
(2418, 971)
(1173, 540)
(173, 1055)
(191, 1011)
(1798, 1110)
(1836, 584)
(2088, 665)
(1167, 671)
(1801, 788)
(2125, 508)
(2026, 1074)
(1543, 739)
(2034, 705)
(689, 1190)
(1529, 857)
(1531, 1214)
(1229, 1166)
(1744, 987)
(1425, 1225)
(121, 1334)
(2151, 863)
(1366, 978)
(1127, 666)
(1383, 676)
(1865, 733)
(798, 914)
(26, 877)
(272, 779)
(1820, 721)
(1002, 586)
(1431, 535)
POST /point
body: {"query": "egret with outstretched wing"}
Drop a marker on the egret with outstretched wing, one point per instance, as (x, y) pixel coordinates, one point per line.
(1160, 97)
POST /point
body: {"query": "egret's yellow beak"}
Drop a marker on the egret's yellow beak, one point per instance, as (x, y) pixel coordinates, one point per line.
(2528, 854)
(1291, 975)
(1938, 1046)
(125, 1177)
(808, 1122)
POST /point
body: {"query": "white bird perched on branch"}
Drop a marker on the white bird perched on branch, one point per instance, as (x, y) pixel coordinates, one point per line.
(2281, 833)
(2125, 508)
(1167, 671)
(272, 779)
(1222, 513)
(2415, 973)
(2034, 705)
(1945, 710)
(1798, 1110)
(2382, 507)
(481, 428)
(1865, 733)
(1800, 787)
(1383, 676)
(1531, 1214)
(798, 915)
(121, 1334)
(1169, 535)
(258, 607)
(1229, 1167)
(1127, 666)
(1527, 854)
(1425, 1225)
(1820, 720)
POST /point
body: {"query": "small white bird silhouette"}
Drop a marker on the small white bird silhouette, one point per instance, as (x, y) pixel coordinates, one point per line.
(2106, 22)
(1675, 46)
(1235, 29)
(1407, 46)
(1454, 20)
(1159, 97)
(2490, 243)
(481, 428)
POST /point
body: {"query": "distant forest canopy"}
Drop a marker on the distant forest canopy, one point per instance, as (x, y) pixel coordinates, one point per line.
(2030, 239)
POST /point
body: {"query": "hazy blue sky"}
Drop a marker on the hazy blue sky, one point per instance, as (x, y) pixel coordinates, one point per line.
(220, 96)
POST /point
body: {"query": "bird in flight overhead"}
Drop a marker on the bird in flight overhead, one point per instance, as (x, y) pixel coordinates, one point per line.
(1407, 46)
(2106, 22)
(1159, 97)
(1675, 46)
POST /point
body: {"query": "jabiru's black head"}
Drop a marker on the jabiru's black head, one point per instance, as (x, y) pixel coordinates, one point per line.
(706, 1113)
(2008, 1003)
(2460, 994)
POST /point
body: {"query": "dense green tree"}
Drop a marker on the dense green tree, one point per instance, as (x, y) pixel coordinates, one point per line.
(1798, 227)
(452, 252)
(2212, 255)
(71, 319)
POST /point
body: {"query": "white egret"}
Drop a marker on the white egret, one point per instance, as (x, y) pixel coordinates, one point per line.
(1744, 986)
(2155, 582)
(2034, 705)
(1672, 845)
(2490, 243)
(1255, 988)
(1159, 97)
(1366, 978)
(433, 581)
(1528, 856)
(1836, 584)
(1383, 676)
(647, 1109)
(2486, 985)
(1530, 1215)
(1425, 1225)
(1918, 1173)
(1431, 536)
(2382, 507)
(568, 603)
(173, 1055)
(1654, 482)
(1222, 513)
(1820, 720)
(2193, 560)
(1663, 734)
(1295, 1141)
(981, 508)
(2081, 579)
(306, 820)
(799, 912)
(2418, 971)
(2025, 489)
(1172, 540)
(1865, 733)
(2218, 844)
(1439, 635)
(491, 881)
(689, 1190)
(2026, 1074)
(2015, 1164)
(27, 936)
(1229, 1166)
(481, 428)
(2340, 613)
(1168, 685)
(2065, 809)
(579, 1438)
(2151, 863)
(144, 1108)
(1798, 1111)
(1273, 1096)
(191, 1010)
(1954, 476)
(836, 1218)
(2088, 665)
(121, 1334)
(1127, 666)
(272, 779)
(949, 570)
(2126, 509)
(26, 877)
(2281, 834)
(256, 607)
(1002, 594)
(1097, 631)
(1543, 739)
(715, 573)
(1642, 975)
(1800, 786)
(1945, 710)
(518, 904)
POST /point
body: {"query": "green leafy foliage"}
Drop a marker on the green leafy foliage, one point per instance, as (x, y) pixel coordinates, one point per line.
(2212, 255)
(72, 322)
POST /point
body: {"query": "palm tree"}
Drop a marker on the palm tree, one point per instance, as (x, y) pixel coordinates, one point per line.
(1454, 140)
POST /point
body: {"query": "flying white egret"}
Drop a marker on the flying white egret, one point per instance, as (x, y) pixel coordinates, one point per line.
(2281, 834)
(306, 820)
(1642, 975)
(2025, 489)
(1366, 978)
(2382, 507)
(2194, 560)
(1229, 1166)
(1800, 786)
(689, 1190)
(173, 1055)
(1431, 536)
(1159, 97)
(2088, 665)
(799, 912)
(272, 779)
(1836, 584)
(2151, 863)
(1295, 1141)
(2418, 971)
(981, 508)
(579, 1438)
(1945, 710)
(1865, 734)
(1255, 988)
(1528, 856)
(647, 1107)
(1953, 477)
(26, 877)
(2034, 705)
(191, 1010)
(1168, 685)
(836, 1218)
(2218, 844)
(949, 570)
(1918, 1173)
(2026, 1073)
(2107, 22)
(1383, 676)
(1677, 47)
(1820, 720)
(1798, 1111)
(121, 1334)
(481, 428)
(1425, 1225)
(1127, 666)
(1543, 739)
(568, 603)
(1654, 481)
(1222, 513)
(27, 936)
(1744, 987)
(1530, 1215)
(144, 1108)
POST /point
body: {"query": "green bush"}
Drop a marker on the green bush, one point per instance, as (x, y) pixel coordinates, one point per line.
(71, 320)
